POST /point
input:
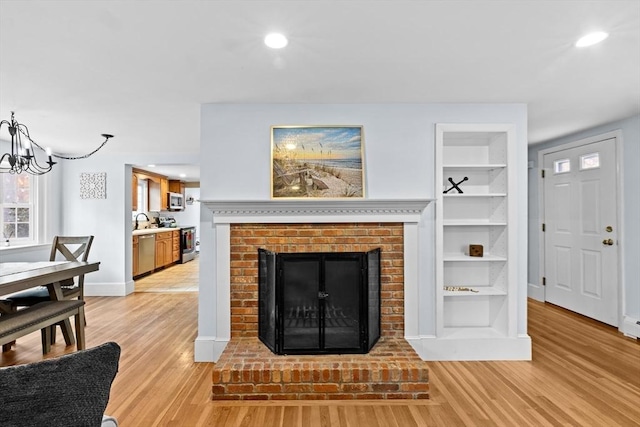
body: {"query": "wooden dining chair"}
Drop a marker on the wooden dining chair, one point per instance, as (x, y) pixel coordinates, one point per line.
(63, 248)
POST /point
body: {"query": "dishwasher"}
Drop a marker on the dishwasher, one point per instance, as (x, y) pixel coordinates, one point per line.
(146, 253)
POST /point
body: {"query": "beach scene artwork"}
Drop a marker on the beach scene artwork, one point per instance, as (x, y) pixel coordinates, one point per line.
(317, 162)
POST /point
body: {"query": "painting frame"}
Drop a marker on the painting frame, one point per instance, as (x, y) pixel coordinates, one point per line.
(317, 162)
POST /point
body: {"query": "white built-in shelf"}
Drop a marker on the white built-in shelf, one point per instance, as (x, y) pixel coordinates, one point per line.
(471, 333)
(471, 223)
(478, 321)
(470, 195)
(467, 258)
(481, 291)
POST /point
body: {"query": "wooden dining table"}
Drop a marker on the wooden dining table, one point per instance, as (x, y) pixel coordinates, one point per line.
(18, 276)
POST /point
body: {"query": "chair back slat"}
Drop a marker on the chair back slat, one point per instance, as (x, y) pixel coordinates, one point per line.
(64, 245)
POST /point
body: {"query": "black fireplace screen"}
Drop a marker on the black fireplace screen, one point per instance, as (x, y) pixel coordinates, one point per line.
(319, 303)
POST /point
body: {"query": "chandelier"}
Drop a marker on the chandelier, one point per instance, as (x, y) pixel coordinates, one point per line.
(23, 156)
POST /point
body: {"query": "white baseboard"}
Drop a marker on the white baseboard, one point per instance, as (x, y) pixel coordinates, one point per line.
(108, 289)
(208, 349)
(417, 344)
(630, 327)
(431, 348)
(535, 292)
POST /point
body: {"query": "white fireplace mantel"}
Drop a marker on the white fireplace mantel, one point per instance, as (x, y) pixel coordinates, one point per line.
(217, 322)
(316, 210)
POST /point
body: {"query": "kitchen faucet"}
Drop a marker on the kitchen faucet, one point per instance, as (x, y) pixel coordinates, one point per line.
(141, 213)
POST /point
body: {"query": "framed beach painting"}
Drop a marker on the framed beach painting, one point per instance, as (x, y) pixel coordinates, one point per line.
(317, 162)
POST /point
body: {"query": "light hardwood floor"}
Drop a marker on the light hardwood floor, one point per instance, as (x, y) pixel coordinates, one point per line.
(583, 373)
(176, 278)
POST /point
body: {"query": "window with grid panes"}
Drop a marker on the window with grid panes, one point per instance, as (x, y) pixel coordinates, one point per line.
(17, 208)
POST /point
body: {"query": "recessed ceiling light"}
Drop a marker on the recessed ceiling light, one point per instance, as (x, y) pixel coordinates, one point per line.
(591, 39)
(275, 41)
(183, 175)
(151, 166)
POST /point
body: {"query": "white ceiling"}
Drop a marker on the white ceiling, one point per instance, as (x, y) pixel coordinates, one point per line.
(72, 70)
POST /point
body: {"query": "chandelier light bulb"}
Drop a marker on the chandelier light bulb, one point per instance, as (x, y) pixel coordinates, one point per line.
(591, 39)
(276, 41)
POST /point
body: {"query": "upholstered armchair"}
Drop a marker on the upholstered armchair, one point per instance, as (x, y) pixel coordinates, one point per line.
(71, 390)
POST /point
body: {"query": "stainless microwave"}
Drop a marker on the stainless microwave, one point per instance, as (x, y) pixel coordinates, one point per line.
(175, 201)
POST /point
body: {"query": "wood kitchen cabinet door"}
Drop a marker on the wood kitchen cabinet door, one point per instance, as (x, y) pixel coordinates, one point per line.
(136, 257)
(159, 252)
(164, 249)
(168, 252)
(164, 191)
(176, 186)
(134, 192)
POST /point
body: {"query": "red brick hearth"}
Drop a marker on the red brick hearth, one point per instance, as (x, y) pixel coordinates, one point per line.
(248, 370)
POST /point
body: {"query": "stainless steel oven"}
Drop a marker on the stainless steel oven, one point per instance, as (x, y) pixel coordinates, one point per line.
(187, 244)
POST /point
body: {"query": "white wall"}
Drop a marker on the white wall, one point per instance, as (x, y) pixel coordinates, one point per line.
(630, 129)
(399, 163)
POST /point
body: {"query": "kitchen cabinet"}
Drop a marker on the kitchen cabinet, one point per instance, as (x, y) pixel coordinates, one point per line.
(164, 248)
(176, 186)
(158, 190)
(164, 192)
(136, 257)
(176, 245)
(134, 192)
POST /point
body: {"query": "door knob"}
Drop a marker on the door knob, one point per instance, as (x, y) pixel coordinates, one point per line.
(608, 242)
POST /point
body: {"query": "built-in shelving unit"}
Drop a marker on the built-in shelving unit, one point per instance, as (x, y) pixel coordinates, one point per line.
(476, 296)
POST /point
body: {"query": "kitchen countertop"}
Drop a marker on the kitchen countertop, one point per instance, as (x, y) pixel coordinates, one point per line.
(154, 230)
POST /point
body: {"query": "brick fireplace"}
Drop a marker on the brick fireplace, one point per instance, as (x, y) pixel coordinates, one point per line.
(245, 368)
(378, 222)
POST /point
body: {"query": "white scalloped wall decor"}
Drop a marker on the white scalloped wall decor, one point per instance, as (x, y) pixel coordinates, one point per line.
(93, 185)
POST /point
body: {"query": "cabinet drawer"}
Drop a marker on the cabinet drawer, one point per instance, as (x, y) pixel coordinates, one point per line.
(165, 235)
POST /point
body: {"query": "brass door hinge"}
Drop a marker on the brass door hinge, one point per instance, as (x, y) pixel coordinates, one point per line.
(542, 172)
(544, 281)
(544, 227)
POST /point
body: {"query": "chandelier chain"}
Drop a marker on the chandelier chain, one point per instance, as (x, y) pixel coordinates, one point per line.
(59, 156)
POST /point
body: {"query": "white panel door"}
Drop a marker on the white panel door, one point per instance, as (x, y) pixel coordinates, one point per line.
(581, 246)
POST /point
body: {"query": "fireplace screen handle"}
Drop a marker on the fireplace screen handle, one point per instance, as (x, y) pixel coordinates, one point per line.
(322, 295)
